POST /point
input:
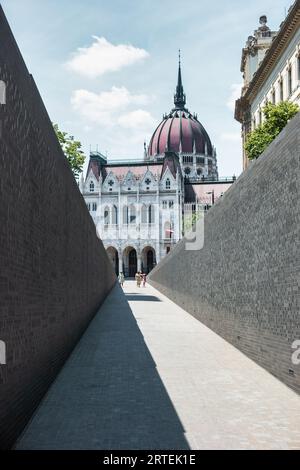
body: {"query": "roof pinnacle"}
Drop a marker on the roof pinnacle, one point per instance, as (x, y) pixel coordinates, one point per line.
(179, 98)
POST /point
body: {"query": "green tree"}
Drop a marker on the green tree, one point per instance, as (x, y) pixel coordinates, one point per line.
(276, 118)
(190, 221)
(71, 149)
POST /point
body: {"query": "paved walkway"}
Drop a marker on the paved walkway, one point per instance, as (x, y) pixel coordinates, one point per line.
(147, 375)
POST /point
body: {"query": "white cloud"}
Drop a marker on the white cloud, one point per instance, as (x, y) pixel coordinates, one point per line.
(235, 94)
(231, 136)
(105, 108)
(102, 57)
(138, 119)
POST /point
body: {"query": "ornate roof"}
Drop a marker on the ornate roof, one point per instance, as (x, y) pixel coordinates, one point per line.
(180, 131)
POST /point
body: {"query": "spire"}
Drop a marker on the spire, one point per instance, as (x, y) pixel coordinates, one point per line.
(179, 98)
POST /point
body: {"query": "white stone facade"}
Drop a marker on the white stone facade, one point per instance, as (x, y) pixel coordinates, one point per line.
(138, 216)
(283, 83)
(271, 71)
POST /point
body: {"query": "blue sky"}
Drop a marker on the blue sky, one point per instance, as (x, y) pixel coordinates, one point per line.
(107, 70)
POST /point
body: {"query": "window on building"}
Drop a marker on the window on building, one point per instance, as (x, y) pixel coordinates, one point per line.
(125, 215)
(273, 96)
(132, 214)
(144, 214)
(168, 184)
(187, 170)
(94, 207)
(168, 231)
(165, 204)
(115, 215)
(290, 81)
(151, 214)
(171, 204)
(92, 187)
(88, 206)
(260, 117)
(281, 90)
(106, 216)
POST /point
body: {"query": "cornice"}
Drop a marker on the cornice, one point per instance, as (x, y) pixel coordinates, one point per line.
(278, 46)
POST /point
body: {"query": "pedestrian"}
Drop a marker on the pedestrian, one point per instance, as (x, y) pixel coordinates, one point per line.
(121, 279)
(138, 279)
(144, 279)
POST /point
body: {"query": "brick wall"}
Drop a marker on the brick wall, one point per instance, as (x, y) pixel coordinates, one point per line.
(54, 272)
(245, 282)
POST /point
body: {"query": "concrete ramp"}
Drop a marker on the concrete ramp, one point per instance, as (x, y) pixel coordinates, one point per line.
(147, 375)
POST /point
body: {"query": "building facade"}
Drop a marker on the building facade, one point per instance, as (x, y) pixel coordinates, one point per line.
(140, 206)
(271, 70)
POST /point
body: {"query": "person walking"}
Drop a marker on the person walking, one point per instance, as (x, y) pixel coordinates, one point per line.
(138, 279)
(144, 279)
(121, 279)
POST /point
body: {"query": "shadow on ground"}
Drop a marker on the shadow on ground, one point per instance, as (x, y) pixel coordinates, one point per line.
(109, 395)
(141, 297)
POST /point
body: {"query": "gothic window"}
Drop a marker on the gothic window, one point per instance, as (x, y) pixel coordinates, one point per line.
(125, 215)
(281, 90)
(273, 97)
(92, 187)
(290, 83)
(148, 181)
(88, 206)
(187, 170)
(94, 207)
(151, 214)
(2, 92)
(115, 215)
(165, 204)
(168, 184)
(106, 216)
(171, 204)
(132, 214)
(144, 214)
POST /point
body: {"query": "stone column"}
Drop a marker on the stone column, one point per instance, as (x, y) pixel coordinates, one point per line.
(120, 261)
(139, 261)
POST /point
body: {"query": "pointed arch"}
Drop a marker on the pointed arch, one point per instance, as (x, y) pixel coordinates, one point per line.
(114, 215)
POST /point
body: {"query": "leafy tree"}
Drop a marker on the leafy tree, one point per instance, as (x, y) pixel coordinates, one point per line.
(276, 118)
(190, 221)
(71, 149)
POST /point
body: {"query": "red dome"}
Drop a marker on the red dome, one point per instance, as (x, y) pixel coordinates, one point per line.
(180, 131)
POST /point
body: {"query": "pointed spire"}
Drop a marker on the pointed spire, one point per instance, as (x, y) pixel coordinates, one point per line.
(179, 98)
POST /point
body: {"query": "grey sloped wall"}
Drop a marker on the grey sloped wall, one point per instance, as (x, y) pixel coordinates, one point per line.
(54, 271)
(245, 282)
